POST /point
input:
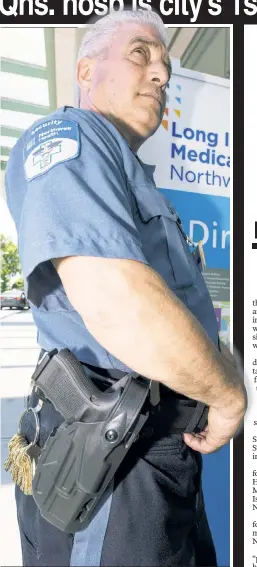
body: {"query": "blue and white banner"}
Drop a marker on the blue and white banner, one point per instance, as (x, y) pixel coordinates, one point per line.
(191, 148)
(191, 153)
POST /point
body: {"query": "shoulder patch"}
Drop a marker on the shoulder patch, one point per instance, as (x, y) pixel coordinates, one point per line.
(49, 143)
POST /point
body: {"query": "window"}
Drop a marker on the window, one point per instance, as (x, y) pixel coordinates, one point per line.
(209, 52)
(27, 81)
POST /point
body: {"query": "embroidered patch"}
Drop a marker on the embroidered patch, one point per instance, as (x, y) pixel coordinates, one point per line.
(50, 143)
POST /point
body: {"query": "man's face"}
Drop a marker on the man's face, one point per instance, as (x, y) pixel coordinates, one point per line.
(128, 85)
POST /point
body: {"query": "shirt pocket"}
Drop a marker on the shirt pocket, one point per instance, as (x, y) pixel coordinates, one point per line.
(164, 244)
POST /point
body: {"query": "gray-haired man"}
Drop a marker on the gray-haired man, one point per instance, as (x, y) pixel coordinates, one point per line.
(109, 275)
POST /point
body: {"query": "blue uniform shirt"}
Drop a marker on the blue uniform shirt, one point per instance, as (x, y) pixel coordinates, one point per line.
(74, 187)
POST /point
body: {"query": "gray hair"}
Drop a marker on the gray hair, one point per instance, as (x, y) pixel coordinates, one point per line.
(97, 37)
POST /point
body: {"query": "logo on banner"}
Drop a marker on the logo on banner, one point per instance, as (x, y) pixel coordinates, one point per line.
(177, 109)
(165, 122)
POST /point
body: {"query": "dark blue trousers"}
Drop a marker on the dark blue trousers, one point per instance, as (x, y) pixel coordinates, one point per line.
(152, 514)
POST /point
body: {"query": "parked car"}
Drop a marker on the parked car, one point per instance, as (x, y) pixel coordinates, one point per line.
(14, 299)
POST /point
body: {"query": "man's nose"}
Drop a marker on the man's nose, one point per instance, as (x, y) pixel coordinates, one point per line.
(159, 73)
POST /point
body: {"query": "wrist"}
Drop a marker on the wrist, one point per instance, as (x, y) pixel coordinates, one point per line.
(233, 403)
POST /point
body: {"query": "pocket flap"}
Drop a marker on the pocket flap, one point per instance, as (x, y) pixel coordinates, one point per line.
(151, 203)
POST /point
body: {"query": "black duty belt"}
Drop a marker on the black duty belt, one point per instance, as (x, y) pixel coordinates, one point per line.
(174, 414)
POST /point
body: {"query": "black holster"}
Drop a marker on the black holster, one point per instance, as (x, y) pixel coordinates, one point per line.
(82, 454)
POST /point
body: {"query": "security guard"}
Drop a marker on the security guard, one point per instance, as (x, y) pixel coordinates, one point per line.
(109, 275)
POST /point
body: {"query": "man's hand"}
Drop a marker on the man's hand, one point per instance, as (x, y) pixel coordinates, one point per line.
(223, 424)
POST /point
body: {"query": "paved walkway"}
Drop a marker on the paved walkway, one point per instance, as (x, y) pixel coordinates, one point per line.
(18, 358)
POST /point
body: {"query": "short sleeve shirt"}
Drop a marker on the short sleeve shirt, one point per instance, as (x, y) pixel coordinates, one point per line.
(75, 188)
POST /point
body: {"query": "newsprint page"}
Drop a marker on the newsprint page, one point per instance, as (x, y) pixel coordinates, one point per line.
(250, 286)
(213, 48)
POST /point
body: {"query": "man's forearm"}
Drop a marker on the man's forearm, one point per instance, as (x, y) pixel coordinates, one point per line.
(142, 323)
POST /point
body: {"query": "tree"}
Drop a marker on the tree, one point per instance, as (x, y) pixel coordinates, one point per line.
(18, 284)
(10, 262)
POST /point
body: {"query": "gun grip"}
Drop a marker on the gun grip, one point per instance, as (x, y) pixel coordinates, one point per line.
(73, 394)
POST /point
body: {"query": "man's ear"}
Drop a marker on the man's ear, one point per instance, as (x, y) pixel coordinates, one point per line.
(85, 69)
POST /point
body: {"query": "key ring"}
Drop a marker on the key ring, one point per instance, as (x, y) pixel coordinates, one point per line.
(35, 412)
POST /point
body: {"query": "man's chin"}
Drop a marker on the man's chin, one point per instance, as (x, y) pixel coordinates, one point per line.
(149, 122)
(138, 127)
(148, 129)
